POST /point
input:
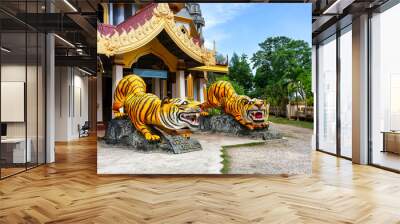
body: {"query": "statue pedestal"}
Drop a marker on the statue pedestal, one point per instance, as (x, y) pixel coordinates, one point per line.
(120, 131)
(227, 124)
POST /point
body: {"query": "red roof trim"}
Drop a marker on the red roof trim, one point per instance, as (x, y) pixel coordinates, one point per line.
(132, 22)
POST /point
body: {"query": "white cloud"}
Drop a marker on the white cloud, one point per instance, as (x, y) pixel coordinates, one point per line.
(216, 14)
(216, 36)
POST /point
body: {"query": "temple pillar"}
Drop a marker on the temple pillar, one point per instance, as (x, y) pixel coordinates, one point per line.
(117, 75)
(164, 92)
(120, 11)
(196, 89)
(203, 90)
(106, 13)
(111, 16)
(157, 90)
(180, 84)
(190, 94)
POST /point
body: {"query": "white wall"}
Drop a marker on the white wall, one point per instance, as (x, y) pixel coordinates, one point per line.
(15, 72)
(71, 102)
(34, 126)
(62, 83)
(79, 117)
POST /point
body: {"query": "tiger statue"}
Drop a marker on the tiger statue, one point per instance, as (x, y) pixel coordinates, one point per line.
(251, 113)
(146, 109)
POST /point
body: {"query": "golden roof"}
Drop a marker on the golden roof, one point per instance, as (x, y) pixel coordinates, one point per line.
(142, 28)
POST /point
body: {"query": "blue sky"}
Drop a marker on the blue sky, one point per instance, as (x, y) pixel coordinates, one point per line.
(239, 27)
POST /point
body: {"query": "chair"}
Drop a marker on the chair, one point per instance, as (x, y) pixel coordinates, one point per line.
(84, 130)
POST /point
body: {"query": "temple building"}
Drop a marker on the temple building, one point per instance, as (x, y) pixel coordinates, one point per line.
(161, 42)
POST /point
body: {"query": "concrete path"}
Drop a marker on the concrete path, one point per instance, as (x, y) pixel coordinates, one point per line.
(120, 160)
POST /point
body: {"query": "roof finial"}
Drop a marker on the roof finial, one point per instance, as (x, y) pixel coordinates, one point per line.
(214, 45)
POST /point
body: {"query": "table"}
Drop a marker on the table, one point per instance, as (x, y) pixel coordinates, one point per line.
(13, 150)
(391, 141)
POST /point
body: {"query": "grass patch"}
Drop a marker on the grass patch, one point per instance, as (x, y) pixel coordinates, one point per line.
(226, 164)
(281, 120)
(226, 159)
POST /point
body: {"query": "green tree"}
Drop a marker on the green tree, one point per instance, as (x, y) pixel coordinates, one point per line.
(240, 72)
(217, 77)
(220, 59)
(283, 71)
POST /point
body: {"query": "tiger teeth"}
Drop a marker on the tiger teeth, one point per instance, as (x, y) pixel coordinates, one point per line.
(191, 118)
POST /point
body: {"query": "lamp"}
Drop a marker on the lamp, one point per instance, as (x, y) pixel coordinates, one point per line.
(70, 5)
(64, 40)
(84, 71)
(5, 50)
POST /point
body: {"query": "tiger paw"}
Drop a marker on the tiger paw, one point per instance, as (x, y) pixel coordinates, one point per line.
(151, 138)
(203, 113)
(119, 114)
(249, 126)
(186, 135)
(266, 124)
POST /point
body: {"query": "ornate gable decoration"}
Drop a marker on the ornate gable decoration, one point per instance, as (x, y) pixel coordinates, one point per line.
(119, 40)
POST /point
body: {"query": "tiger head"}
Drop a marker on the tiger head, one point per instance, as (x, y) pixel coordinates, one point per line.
(180, 113)
(254, 111)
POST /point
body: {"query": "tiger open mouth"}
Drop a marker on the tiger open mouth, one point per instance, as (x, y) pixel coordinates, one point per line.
(256, 115)
(192, 118)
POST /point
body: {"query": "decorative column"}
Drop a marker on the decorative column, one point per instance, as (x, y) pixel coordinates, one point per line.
(164, 92)
(106, 13)
(157, 90)
(189, 80)
(180, 84)
(360, 90)
(203, 90)
(196, 89)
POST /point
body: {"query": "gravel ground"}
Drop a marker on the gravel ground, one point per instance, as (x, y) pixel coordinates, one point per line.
(291, 156)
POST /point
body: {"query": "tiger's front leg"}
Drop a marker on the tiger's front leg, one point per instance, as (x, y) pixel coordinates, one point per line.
(145, 130)
(118, 110)
(186, 135)
(244, 123)
(204, 107)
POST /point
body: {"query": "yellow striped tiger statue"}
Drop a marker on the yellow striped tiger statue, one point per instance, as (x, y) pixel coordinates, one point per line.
(251, 113)
(146, 109)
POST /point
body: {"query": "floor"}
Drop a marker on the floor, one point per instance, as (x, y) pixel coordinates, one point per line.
(70, 191)
(387, 159)
(10, 171)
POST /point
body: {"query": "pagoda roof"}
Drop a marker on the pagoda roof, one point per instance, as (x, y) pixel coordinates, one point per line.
(139, 29)
(132, 22)
(212, 68)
